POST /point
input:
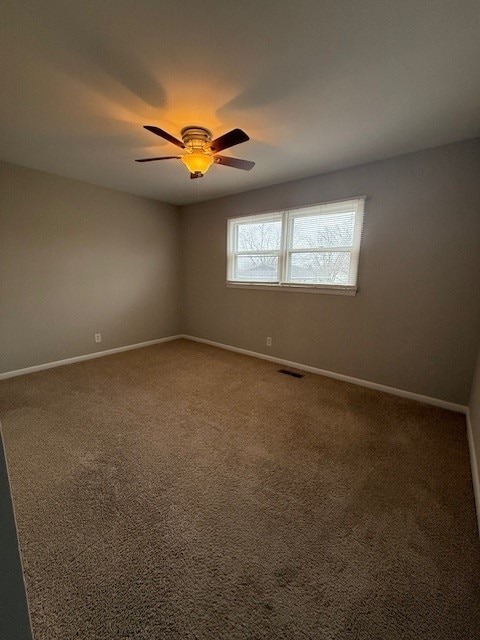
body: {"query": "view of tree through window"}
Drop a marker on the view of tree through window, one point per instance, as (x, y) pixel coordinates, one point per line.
(321, 232)
(311, 246)
(260, 236)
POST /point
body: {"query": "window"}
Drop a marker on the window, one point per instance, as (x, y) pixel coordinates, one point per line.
(314, 247)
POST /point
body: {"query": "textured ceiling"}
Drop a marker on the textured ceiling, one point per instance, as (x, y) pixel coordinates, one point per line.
(318, 85)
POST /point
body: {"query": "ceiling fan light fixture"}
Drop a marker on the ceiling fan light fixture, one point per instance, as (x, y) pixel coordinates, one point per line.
(201, 150)
(197, 162)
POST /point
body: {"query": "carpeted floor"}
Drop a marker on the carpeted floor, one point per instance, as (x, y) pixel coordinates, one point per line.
(182, 491)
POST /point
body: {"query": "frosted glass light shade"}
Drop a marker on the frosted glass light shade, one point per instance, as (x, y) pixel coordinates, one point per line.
(197, 162)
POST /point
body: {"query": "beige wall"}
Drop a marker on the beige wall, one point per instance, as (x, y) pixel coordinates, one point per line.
(415, 323)
(77, 259)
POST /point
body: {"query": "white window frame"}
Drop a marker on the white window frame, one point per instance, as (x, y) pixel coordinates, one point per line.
(287, 217)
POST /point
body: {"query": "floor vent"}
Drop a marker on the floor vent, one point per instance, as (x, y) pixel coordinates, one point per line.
(291, 373)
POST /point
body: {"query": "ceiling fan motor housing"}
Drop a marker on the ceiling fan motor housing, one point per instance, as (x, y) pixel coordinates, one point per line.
(196, 138)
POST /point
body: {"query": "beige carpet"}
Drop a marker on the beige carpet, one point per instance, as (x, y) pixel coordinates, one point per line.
(182, 491)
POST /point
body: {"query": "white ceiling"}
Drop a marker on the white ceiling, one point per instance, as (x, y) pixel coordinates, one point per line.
(318, 85)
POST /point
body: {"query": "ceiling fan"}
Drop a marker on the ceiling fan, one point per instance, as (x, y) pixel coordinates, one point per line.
(201, 150)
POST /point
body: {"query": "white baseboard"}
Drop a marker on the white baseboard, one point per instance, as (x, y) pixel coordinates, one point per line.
(474, 465)
(436, 402)
(87, 356)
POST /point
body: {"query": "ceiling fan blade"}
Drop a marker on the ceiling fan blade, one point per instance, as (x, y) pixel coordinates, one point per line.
(246, 165)
(161, 158)
(230, 139)
(163, 134)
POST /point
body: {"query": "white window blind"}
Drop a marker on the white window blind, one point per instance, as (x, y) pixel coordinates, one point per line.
(309, 247)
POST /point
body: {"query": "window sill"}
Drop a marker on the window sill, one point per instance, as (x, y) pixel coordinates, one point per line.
(334, 290)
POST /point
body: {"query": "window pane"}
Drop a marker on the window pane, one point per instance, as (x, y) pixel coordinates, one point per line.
(259, 236)
(258, 268)
(326, 267)
(323, 231)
